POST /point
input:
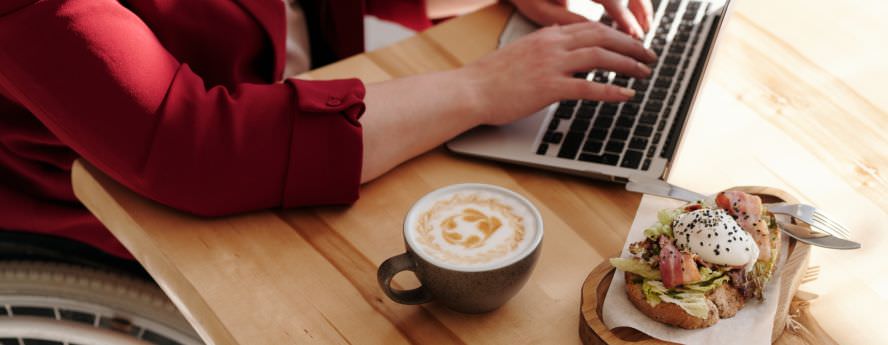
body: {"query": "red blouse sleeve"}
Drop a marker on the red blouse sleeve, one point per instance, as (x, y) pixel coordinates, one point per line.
(99, 79)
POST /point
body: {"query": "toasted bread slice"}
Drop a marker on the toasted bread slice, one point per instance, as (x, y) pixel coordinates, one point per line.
(668, 313)
(727, 299)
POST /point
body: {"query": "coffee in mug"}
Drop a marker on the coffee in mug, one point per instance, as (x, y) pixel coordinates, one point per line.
(472, 246)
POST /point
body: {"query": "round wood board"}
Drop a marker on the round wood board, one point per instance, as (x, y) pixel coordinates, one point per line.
(593, 330)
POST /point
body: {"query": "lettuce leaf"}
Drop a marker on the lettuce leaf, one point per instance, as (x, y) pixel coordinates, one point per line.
(663, 225)
(652, 290)
(692, 302)
(707, 285)
(635, 266)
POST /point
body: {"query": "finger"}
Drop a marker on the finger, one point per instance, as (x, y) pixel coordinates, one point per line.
(548, 13)
(623, 17)
(582, 89)
(643, 11)
(585, 59)
(594, 34)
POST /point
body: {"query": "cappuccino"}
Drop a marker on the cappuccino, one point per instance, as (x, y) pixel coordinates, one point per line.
(473, 227)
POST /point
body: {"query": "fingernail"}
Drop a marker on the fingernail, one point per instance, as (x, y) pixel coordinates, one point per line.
(644, 68)
(627, 92)
(651, 54)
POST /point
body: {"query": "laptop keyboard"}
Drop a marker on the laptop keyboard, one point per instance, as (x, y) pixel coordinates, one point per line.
(631, 134)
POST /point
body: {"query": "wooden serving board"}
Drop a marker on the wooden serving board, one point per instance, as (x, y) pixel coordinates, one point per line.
(593, 330)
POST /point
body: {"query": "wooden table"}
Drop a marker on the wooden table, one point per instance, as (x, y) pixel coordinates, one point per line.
(794, 93)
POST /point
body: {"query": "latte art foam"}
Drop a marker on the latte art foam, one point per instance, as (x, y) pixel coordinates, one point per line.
(472, 227)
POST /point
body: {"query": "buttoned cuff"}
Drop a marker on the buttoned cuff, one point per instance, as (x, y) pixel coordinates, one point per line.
(326, 147)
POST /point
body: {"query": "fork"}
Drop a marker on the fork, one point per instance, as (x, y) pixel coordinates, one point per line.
(802, 212)
(809, 214)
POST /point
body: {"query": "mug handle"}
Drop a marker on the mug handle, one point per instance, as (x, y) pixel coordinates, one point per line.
(389, 269)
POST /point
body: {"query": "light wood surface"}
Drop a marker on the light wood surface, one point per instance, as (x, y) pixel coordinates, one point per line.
(794, 94)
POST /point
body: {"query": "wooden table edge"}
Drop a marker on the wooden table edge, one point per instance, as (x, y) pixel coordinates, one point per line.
(97, 192)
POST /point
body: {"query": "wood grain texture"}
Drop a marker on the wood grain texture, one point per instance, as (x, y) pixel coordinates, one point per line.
(800, 116)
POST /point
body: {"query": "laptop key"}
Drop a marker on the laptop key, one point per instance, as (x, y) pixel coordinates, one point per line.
(621, 80)
(659, 94)
(620, 133)
(608, 109)
(640, 86)
(580, 125)
(581, 75)
(631, 159)
(646, 165)
(587, 107)
(653, 106)
(672, 59)
(657, 137)
(673, 5)
(629, 109)
(553, 125)
(644, 131)
(638, 143)
(585, 113)
(603, 122)
(597, 134)
(607, 158)
(592, 146)
(677, 48)
(564, 113)
(553, 137)
(568, 103)
(615, 146)
(625, 121)
(648, 118)
(542, 149)
(667, 71)
(663, 82)
(571, 145)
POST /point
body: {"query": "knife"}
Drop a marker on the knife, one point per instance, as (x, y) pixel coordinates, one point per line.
(804, 234)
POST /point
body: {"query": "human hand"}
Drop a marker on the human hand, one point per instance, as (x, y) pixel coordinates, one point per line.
(635, 20)
(538, 69)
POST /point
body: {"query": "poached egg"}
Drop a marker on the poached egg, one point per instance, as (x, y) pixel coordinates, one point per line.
(716, 237)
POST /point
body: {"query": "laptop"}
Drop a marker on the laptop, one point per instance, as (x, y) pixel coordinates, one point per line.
(614, 141)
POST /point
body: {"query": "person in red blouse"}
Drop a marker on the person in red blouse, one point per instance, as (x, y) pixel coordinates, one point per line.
(185, 102)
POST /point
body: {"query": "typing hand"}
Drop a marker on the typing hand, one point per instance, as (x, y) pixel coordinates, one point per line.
(538, 69)
(635, 20)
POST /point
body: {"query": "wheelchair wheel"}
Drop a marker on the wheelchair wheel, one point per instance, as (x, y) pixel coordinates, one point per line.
(43, 303)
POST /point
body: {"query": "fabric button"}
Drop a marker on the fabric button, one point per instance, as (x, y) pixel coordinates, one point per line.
(333, 101)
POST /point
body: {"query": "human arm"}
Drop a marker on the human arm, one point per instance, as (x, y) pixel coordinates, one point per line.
(103, 84)
(408, 116)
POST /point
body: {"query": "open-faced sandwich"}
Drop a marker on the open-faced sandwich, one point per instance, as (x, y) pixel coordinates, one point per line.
(703, 261)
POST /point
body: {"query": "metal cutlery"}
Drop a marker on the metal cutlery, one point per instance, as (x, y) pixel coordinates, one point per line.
(805, 213)
(820, 239)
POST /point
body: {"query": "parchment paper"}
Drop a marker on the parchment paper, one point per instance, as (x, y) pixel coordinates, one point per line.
(752, 324)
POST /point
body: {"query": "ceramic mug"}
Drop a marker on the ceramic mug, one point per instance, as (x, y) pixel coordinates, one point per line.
(472, 247)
